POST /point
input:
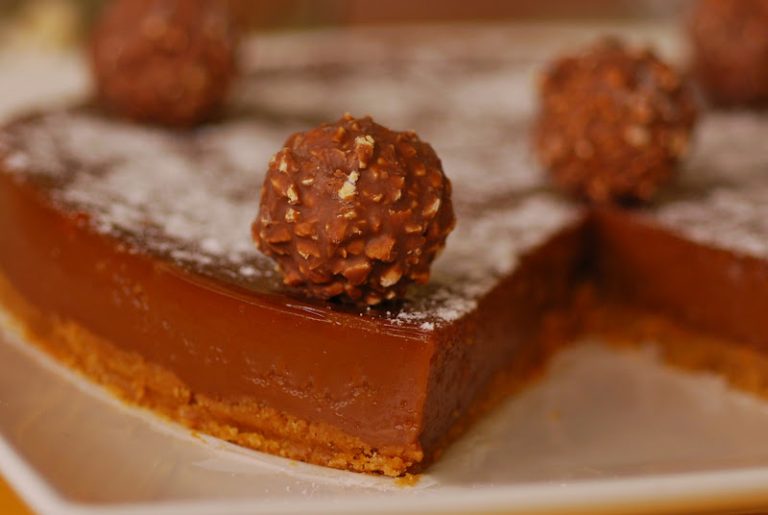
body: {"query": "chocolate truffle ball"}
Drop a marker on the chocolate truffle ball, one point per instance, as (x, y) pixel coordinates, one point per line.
(614, 122)
(730, 50)
(354, 211)
(169, 62)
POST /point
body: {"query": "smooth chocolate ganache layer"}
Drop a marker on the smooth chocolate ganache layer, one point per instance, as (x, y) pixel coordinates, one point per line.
(126, 251)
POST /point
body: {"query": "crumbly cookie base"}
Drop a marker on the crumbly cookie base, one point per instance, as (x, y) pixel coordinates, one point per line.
(248, 423)
(244, 421)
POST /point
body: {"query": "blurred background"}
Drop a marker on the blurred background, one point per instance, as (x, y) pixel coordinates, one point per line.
(64, 22)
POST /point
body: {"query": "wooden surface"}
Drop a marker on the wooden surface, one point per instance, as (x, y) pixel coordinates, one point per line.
(10, 504)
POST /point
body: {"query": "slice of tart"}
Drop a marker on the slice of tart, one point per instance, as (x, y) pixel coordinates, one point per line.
(125, 250)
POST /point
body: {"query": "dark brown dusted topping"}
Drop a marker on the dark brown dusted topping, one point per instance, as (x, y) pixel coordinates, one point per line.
(730, 50)
(614, 122)
(354, 210)
(164, 61)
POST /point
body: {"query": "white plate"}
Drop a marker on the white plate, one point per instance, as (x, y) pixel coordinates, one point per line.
(606, 430)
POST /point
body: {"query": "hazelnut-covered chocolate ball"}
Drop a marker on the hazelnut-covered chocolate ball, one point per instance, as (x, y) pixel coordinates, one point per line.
(730, 50)
(169, 62)
(614, 122)
(354, 211)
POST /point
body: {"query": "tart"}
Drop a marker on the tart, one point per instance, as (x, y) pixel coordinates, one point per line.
(125, 252)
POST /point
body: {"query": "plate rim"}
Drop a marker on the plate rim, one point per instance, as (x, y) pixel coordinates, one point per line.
(737, 488)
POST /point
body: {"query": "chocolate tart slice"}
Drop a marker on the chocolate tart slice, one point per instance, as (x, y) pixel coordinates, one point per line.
(125, 251)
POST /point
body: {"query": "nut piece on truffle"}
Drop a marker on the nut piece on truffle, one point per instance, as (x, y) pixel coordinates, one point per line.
(613, 123)
(730, 50)
(168, 62)
(354, 211)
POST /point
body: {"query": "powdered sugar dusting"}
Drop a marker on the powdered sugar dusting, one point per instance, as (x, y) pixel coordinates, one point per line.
(486, 248)
(180, 195)
(729, 149)
(731, 219)
(723, 198)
